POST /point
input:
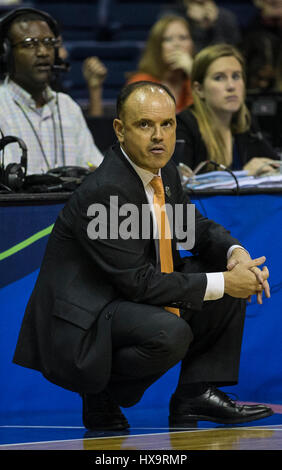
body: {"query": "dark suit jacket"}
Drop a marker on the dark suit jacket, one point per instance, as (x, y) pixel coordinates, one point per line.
(66, 330)
(193, 149)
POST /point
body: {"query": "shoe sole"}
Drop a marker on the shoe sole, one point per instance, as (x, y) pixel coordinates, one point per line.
(101, 427)
(107, 428)
(192, 419)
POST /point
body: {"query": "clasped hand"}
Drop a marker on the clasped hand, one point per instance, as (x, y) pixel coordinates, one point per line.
(244, 278)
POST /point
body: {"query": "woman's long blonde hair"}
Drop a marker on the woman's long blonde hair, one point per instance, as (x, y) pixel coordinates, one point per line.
(151, 61)
(240, 120)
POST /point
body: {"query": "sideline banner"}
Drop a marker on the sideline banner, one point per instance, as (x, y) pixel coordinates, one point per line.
(24, 229)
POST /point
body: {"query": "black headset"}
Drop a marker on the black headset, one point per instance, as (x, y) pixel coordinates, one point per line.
(5, 46)
(13, 176)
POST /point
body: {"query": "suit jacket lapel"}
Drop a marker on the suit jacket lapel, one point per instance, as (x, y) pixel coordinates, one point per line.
(135, 185)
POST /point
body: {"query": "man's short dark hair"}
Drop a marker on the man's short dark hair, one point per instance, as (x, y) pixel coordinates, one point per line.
(127, 90)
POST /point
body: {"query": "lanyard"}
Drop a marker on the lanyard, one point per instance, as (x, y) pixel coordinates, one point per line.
(54, 132)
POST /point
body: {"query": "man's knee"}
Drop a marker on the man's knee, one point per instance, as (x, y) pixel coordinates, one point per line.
(172, 341)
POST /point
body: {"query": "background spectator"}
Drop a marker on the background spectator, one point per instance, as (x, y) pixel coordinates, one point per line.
(167, 58)
(268, 17)
(50, 123)
(218, 126)
(262, 57)
(261, 46)
(210, 24)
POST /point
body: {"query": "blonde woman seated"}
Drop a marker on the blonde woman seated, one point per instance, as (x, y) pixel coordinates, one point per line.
(167, 58)
(218, 125)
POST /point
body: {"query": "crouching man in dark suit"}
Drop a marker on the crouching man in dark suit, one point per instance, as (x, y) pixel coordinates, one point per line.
(115, 305)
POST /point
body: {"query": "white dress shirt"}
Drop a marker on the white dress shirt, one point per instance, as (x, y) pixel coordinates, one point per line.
(215, 281)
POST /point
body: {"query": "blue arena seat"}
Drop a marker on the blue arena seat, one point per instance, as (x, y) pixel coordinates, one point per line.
(133, 20)
(119, 58)
(77, 20)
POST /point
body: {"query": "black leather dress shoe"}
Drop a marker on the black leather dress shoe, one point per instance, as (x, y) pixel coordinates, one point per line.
(213, 405)
(101, 412)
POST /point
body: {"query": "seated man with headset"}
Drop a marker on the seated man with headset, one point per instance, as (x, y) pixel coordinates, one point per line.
(50, 123)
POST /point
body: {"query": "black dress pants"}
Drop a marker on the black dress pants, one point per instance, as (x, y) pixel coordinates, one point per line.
(148, 341)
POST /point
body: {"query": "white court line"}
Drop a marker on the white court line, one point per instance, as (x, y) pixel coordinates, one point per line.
(259, 428)
(23, 426)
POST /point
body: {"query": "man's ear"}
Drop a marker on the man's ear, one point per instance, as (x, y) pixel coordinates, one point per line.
(198, 89)
(119, 129)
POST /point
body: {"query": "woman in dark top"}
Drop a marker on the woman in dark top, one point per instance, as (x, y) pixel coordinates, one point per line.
(218, 125)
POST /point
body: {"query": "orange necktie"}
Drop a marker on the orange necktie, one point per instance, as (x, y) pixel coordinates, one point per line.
(164, 231)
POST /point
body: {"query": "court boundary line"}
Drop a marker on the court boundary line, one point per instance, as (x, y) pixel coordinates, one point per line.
(253, 428)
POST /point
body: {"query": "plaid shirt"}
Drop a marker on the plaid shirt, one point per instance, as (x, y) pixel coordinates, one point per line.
(55, 134)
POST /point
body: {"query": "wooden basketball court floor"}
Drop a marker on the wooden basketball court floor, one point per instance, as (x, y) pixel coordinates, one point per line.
(149, 430)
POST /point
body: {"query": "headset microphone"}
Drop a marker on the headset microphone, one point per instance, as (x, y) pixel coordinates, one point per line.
(61, 68)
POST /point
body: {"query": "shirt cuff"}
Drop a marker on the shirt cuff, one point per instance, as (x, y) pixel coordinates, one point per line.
(215, 286)
(215, 281)
(229, 252)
